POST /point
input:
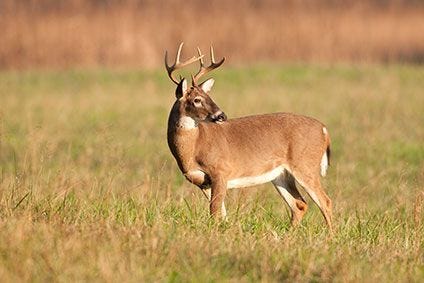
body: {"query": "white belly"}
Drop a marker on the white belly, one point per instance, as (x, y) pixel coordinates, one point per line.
(255, 180)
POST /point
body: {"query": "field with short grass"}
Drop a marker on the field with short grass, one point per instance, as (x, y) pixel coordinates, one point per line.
(90, 192)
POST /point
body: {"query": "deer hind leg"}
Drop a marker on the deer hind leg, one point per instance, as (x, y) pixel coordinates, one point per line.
(312, 185)
(286, 187)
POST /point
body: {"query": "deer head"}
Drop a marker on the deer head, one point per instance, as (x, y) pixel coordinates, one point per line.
(194, 102)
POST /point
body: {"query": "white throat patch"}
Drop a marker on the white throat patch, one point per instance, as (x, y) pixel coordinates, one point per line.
(186, 123)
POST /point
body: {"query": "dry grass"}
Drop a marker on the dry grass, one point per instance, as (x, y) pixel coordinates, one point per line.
(61, 34)
(90, 192)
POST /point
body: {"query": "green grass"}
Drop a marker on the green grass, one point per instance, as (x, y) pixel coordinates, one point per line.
(89, 190)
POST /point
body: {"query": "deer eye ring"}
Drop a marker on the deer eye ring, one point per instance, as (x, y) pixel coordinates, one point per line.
(197, 101)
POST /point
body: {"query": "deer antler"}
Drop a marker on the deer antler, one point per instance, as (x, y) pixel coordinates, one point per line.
(178, 65)
(204, 70)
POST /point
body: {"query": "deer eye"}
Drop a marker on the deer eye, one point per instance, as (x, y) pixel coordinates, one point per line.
(197, 101)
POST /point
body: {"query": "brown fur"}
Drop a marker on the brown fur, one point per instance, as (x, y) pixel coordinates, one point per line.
(246, 147)
(250, 145)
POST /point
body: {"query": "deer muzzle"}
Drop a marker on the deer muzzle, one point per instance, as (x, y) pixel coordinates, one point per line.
(219, 117)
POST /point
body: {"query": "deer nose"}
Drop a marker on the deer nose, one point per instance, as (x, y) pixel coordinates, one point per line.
(219, 117)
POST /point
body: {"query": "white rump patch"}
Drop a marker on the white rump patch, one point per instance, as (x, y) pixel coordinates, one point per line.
(255, 180)
(324, 130)
(324, 164)
(186, 123)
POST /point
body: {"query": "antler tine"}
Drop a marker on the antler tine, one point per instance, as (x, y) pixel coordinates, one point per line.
(212, 56)
(177, 64)
(204, 70)
(169, 69)
(200, 56)
(177, 57)
(216, 65)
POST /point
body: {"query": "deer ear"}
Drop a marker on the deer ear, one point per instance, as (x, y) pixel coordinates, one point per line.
(206, 86)
(181, 89)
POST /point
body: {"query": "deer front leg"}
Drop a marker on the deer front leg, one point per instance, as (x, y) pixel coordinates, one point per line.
(207, 193)
(219, 191)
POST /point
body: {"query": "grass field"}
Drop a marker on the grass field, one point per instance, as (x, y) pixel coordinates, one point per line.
(89, 190)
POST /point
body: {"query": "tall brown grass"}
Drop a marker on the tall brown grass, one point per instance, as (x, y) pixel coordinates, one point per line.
(76, 33)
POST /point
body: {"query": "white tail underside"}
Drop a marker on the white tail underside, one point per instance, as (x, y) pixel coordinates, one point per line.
(324, 164)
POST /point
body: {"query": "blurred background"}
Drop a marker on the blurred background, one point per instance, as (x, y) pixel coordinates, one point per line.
(57, 34)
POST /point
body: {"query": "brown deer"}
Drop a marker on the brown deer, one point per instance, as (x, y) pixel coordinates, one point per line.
(217, 154)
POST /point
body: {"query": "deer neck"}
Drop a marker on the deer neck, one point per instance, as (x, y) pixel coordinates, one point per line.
(183, 133)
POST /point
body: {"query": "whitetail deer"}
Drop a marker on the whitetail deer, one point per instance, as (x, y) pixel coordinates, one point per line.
(216, 154)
